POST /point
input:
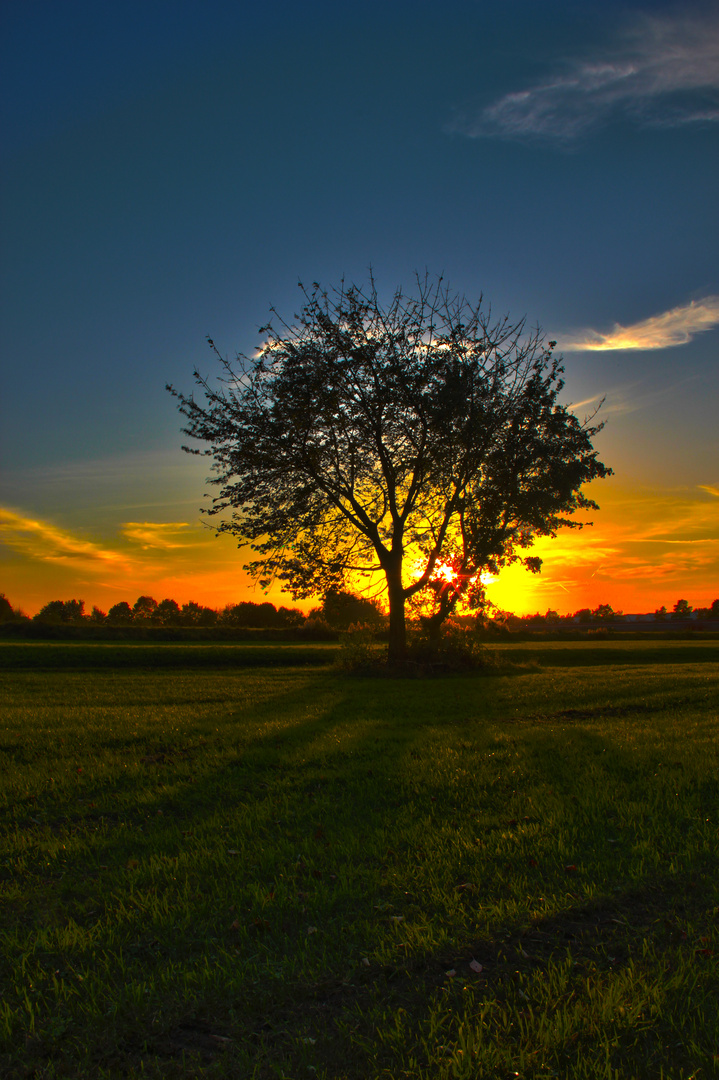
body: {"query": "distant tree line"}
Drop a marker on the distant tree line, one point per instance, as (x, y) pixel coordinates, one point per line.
(338, 610)
(605, 614)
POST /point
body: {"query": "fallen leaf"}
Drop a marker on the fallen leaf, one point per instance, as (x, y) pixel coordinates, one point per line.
(231, 851)
(235, 925)
(365, 961)
(132, 864)
(475, 966)
(570, 867)
(451, 973)
(311, 929)
(397, 918)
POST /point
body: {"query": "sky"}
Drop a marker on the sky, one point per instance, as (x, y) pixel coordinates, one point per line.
(169, 170)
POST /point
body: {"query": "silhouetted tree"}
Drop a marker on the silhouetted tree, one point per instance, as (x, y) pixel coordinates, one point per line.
(144, 609)
(167, 613)
(682, 610)
(120, 613)
(193, 614)
(420, 439)
(96, 615)
(248, 613)
(341, 609)
(290, 616)
(605, 613)
(6, 612)
(62, 611)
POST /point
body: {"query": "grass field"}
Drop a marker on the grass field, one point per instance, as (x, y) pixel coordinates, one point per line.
(236, 861)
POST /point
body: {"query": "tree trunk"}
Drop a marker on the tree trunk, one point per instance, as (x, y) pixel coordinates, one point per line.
(397, 629)
(433, 625)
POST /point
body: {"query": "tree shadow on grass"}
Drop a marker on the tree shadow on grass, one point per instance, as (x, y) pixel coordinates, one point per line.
(315, 770)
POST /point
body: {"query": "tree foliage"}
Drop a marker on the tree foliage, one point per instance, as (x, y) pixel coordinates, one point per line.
(420, 439)
(62, 611)
(7, 614)
(341, 609)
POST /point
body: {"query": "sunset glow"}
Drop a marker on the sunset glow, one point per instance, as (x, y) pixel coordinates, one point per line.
(647, 547)
(138, 222)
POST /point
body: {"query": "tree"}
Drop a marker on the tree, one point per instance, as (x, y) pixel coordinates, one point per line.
(167, 613)
(419, 440)
(605, 613)
(341, 609)
(62, 611)
(193, 614)
(682, 610)
(120, 613)
(6, 612)
(290, 616)
(144, 609)
(249, 614)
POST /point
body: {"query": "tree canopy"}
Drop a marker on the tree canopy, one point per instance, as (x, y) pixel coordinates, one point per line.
(420, 439)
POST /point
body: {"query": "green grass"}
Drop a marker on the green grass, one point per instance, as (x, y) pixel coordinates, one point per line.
(244, 871)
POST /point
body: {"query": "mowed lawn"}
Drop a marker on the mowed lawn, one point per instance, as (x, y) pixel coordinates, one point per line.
(210, 867)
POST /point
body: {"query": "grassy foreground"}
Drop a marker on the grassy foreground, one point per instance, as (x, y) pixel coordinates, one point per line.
(243, 871)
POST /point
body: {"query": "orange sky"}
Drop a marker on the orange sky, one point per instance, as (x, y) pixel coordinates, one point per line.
(647, 547)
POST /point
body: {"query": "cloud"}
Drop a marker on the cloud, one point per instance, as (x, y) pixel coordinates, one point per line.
(154, 534)
(41, 540)
(710, 489)
(675, 327)
(663, 72)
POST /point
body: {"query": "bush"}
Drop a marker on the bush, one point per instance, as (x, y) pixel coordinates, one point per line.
(317, 629)
(458, 649)
(357, 651)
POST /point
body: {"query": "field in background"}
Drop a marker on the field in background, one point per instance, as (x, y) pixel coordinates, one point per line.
(214, 868)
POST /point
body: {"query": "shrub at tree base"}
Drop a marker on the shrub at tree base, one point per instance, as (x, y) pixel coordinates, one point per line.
(358, 653)
(458, 649)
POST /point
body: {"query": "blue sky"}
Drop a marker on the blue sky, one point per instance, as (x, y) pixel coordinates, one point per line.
(172, 169)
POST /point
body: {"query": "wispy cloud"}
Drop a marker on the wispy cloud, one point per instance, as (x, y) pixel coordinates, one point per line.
(675, 327)
(154, 534)
(662, 72)
(710, 489)
(42, 540)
